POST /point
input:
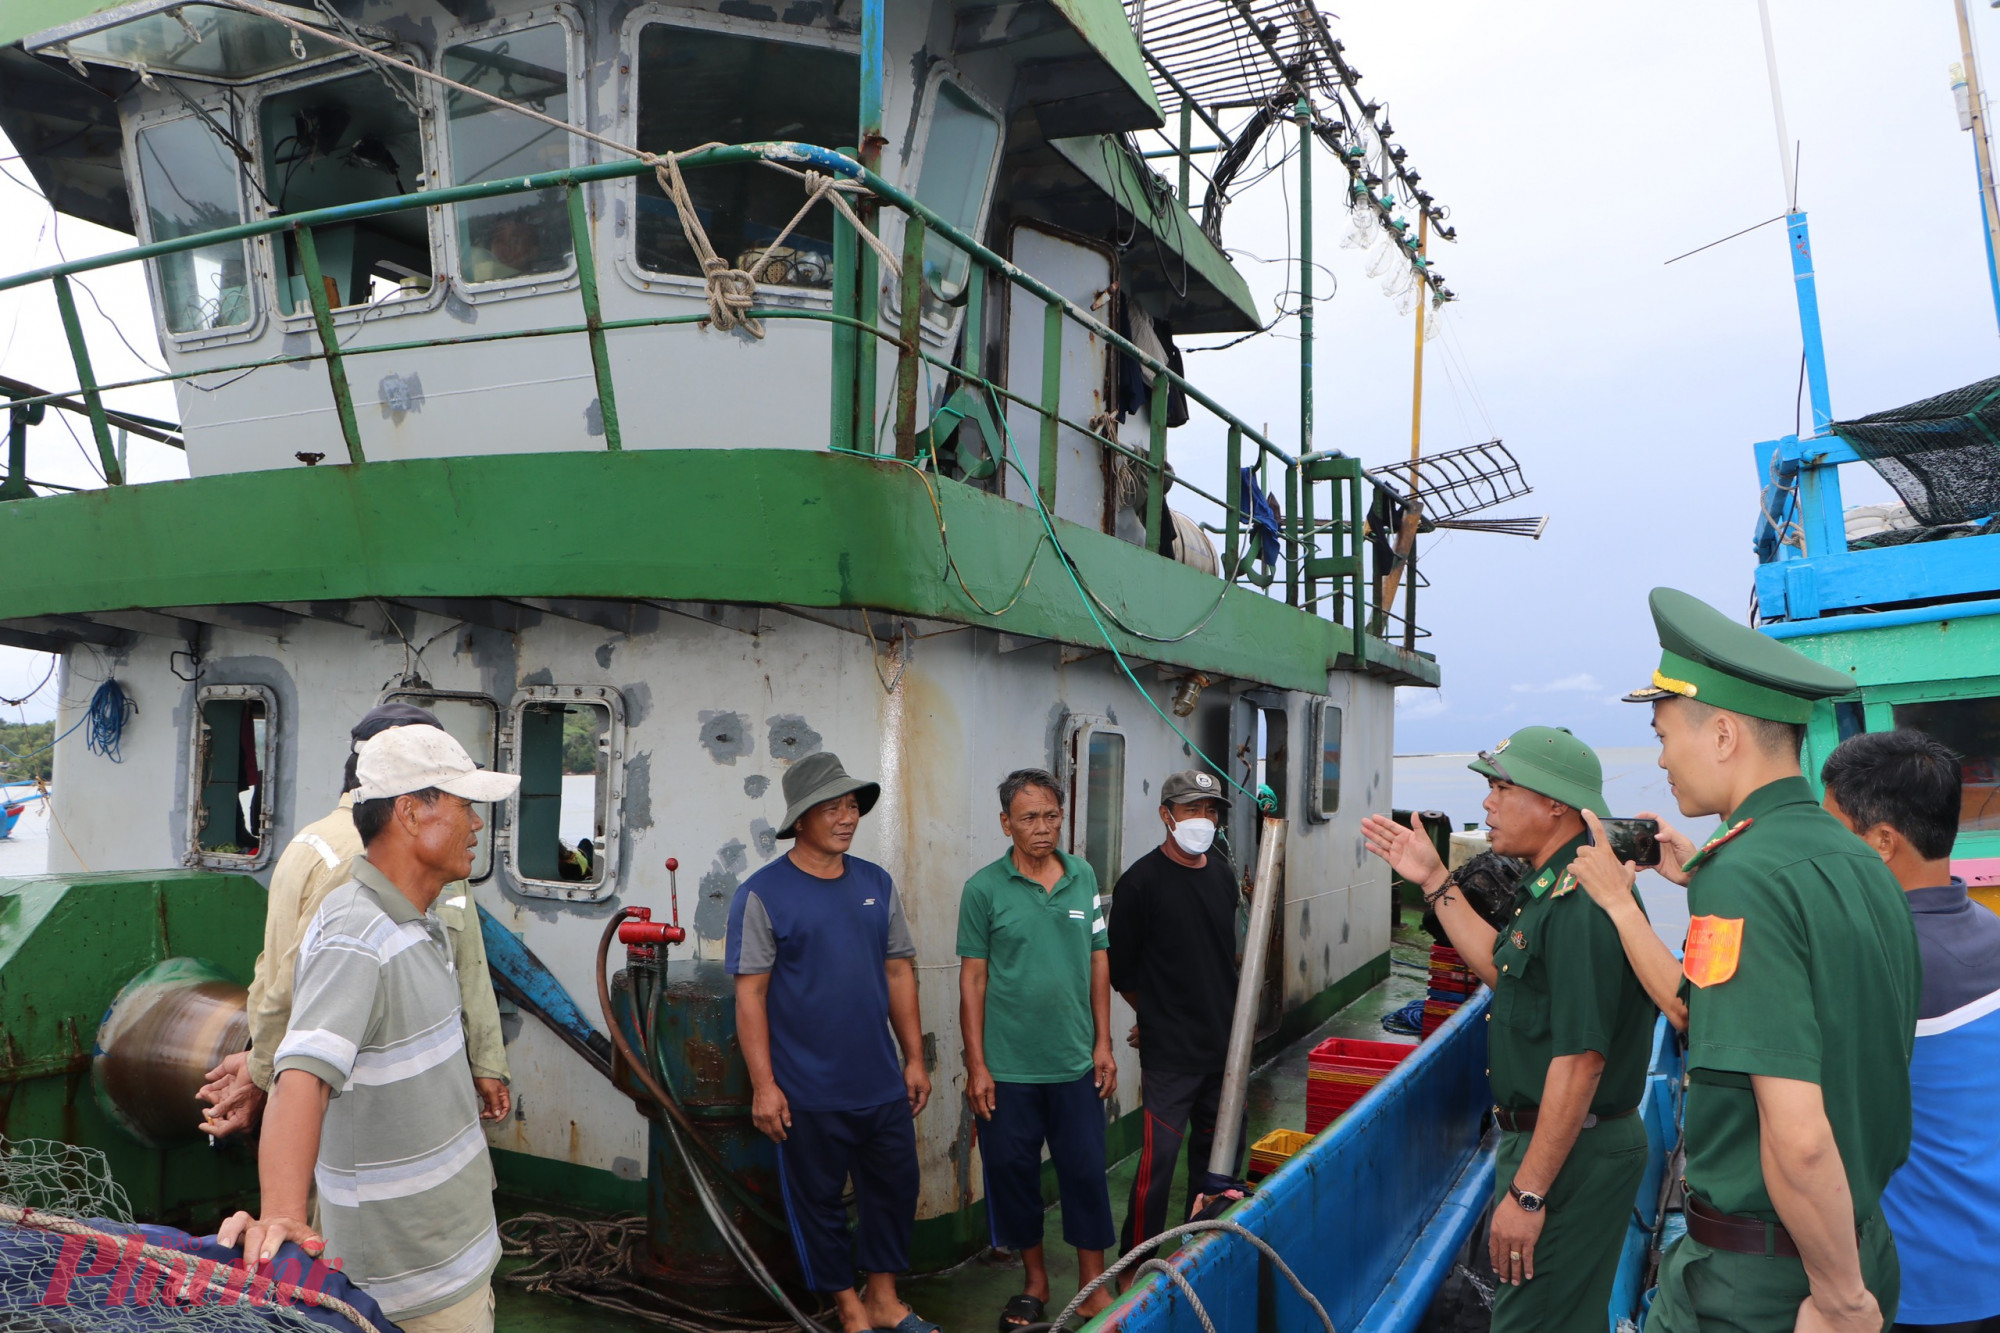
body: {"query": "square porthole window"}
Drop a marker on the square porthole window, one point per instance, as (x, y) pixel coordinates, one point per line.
(564, 835)
(473, 720)
(234, 749)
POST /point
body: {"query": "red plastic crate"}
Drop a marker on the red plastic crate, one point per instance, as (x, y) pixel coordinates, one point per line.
(1350, 1053)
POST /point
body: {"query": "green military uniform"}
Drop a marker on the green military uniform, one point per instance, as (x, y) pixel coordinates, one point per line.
(1801, 964)
(1565, 988)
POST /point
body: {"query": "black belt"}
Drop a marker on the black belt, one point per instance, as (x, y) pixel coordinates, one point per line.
(1523, 1120)
(1738, 1234)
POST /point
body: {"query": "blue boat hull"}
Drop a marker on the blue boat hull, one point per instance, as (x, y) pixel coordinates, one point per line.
(1373, 1214)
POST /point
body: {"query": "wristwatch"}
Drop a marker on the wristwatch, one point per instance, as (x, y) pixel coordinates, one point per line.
(1529, 1201)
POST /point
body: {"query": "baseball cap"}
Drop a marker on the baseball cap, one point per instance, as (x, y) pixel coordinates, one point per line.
(411, 758)
(1191, 784)
(376, 721)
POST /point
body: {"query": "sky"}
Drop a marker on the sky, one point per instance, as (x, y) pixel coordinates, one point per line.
(1579, 146)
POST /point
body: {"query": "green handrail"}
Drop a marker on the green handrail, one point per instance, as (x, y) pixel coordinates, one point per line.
(857, 335)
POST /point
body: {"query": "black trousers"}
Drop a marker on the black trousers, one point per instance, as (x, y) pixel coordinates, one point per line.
(1988, 1325)
(1179, 1108)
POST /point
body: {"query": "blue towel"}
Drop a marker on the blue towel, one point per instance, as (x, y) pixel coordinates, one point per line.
(1263, 519)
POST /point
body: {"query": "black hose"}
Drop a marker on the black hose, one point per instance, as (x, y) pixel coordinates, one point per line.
(678, 1124)
(643, 1070)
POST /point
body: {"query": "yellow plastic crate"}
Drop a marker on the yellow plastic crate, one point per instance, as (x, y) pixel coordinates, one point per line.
(1270, 1152)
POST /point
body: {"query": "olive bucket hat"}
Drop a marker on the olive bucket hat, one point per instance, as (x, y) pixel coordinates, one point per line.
(817, 778)
(1550, 762)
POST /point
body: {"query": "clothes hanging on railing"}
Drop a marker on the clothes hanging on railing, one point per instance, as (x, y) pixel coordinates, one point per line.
(1263, 519)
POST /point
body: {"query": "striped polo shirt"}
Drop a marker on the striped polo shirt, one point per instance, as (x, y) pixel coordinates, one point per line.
(405, 1185)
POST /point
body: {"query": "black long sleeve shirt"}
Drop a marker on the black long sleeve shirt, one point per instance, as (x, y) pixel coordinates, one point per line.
(1173, 945)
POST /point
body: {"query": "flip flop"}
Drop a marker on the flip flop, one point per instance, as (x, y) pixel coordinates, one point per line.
(911, 1323)
(1021, 1311)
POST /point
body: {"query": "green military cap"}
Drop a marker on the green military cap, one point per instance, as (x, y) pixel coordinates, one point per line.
(1551, 762)
(1706, 656)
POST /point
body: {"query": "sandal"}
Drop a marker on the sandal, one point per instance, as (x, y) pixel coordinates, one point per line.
(912, 1323)
(1021, 1311)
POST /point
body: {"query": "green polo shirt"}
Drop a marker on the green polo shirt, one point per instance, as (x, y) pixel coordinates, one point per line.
(1564, 988)
(1037, 944)
(1824, 989)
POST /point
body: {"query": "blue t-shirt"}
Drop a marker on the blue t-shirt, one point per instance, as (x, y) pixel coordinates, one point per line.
(1943, 1204)
(826, 944)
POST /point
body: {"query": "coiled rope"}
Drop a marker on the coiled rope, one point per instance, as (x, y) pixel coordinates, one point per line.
(109, 711)
(1179, 1279)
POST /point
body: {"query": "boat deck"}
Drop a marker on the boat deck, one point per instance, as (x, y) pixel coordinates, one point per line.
(968, 1298)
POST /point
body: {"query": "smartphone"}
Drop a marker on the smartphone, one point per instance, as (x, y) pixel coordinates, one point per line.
(1634, 840)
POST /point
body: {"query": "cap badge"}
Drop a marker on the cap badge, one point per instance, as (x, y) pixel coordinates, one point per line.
(1501, 748)
(1203, 780)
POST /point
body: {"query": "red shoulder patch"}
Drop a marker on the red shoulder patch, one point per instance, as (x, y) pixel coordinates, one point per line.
(1714, 947)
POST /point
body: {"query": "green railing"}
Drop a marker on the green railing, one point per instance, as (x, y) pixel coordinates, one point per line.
(1321, 565)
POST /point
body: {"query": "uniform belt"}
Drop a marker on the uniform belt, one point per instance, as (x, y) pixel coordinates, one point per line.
(1524, 1120)
(1738, 1235)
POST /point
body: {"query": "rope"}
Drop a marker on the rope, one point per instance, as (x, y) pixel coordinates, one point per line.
(1175, 1276)
(108, 713)
(731, 291)
(588, 1259)
(185, 1272)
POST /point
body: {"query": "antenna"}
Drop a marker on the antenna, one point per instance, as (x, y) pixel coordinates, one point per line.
(1786, 162)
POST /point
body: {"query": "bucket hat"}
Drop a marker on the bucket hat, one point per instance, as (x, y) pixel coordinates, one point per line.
(818, 778)
(1551, 762)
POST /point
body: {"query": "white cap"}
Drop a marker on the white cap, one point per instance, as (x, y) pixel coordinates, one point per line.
(408, 759)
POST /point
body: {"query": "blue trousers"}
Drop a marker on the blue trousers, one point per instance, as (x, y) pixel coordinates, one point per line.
(1069, 1117)
(878, 1148)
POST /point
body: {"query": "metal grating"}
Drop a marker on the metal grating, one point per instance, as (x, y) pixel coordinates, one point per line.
(1459, 481)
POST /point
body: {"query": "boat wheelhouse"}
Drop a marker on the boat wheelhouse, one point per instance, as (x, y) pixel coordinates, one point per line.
(661, 393)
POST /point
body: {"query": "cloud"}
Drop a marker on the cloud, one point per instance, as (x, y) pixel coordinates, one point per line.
(1415, 704)
(1581, 683)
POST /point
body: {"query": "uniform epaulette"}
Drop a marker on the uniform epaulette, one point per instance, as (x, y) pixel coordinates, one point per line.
(1715, 842)
(1564, 885)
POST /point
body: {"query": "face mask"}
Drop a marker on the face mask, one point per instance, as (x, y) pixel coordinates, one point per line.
(1194, 835)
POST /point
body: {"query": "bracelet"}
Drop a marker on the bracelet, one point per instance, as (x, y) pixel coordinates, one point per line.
(1431, 900)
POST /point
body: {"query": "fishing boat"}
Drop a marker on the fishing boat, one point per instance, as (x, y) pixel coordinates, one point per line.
(14, 804)
(661, 394)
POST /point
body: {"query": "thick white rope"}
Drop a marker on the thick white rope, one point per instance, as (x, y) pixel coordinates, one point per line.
(731, 291)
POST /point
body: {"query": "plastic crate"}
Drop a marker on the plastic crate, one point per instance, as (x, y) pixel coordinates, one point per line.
(1274, 1149)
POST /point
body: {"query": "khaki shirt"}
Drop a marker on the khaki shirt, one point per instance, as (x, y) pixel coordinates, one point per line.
(318, 861)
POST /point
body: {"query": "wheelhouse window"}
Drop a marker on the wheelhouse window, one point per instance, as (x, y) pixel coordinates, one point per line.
(1971, 727)
(516, 235)
(699, 86)
(473, 721)
(568, 750)
(344, 141)
(193, 183)
(229, 811)
(957, 166)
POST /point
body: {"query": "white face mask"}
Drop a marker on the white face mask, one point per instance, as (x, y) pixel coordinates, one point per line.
(1194, 836)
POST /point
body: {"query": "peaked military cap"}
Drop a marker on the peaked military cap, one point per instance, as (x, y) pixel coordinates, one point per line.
(1706, 656)
(1551, 762)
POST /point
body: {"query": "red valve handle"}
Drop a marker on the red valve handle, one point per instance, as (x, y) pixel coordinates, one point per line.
(640, 928)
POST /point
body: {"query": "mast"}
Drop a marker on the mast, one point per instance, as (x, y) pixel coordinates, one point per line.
(1796, 230)
(1304, 112)
(1982, 149)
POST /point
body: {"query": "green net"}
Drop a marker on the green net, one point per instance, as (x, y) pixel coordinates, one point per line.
(1942, 455)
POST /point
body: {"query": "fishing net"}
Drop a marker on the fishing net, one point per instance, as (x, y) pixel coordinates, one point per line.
(1942, 455)
(71, 1258)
